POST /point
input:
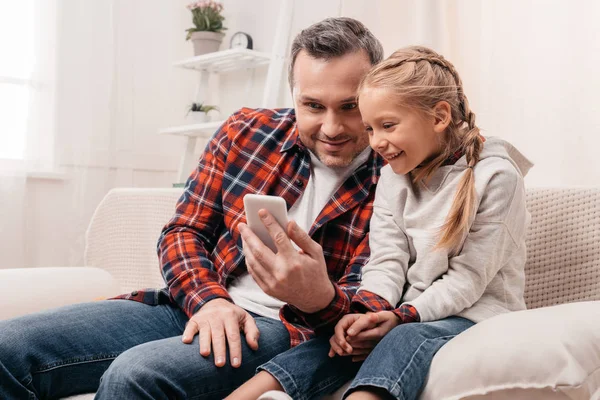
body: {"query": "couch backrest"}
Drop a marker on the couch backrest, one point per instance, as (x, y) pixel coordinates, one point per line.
(563, 245)
(563, 241)
(124, 231)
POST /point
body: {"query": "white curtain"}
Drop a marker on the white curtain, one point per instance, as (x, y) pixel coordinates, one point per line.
(101, 86)
(27, 113)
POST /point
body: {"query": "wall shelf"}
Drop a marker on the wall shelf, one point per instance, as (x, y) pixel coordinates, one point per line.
(226, 60)
(231, 60)
(203, 130)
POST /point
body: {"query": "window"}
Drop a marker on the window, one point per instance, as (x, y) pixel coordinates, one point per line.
(16, 67)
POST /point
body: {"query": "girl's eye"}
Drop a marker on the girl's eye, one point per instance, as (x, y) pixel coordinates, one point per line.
(387, 126)
(368, 129)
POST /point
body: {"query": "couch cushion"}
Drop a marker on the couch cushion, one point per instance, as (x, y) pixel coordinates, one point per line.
(563, 246)
(547, 353)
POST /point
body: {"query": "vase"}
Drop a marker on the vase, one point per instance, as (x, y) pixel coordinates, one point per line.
(197, 117)
(206, 42)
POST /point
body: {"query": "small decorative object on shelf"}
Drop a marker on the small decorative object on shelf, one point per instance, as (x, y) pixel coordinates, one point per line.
(198, 112)
(241, 40)
(207, 33)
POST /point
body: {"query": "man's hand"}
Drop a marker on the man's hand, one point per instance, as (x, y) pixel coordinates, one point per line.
(219, 323)
(296, 277)
(357, 335)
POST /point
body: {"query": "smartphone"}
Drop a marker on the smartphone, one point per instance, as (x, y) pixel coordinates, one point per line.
(275, 205)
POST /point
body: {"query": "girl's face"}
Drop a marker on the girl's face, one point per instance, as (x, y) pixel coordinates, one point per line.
(404, 137)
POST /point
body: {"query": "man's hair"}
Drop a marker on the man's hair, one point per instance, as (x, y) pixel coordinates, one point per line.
(335, 37)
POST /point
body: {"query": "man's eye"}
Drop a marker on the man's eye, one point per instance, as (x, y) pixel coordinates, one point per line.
(349, 106)
(314, 106)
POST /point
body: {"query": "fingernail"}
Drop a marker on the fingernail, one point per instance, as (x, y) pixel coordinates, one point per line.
(262, 214)
(350, 331)
(236, 361)
(219, 360)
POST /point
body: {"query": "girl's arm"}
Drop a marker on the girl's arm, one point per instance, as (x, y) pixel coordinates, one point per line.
(385, 273)
(497, 234)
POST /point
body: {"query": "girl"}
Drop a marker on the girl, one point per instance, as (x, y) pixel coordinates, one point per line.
(447, 238)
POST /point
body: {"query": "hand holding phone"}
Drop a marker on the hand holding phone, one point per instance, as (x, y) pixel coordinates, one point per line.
(275, 205)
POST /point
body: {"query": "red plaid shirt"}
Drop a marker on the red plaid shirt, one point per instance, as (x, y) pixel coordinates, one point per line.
(200, 249)
(364, 301)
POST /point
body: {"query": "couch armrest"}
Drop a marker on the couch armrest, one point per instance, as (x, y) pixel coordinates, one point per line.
(27, 290)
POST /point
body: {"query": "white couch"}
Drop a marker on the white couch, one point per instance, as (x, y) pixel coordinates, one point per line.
(120, 256)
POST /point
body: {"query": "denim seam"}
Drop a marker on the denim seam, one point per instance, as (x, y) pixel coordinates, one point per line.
(382, 383)
(75, 361)
(26, 382)
(286, 380)
(397, 383)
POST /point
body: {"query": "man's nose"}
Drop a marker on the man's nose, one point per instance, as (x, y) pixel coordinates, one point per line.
(332, 125)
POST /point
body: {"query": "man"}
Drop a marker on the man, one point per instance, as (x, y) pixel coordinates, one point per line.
(221, 280)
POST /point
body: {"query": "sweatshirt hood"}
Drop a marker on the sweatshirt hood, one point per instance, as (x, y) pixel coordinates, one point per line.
(492, 147)
(496, 147)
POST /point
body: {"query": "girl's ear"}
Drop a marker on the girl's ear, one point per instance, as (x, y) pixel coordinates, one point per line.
(442, 116)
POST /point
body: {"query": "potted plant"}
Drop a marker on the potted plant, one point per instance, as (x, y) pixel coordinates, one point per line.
(207, 33)
(198, 112)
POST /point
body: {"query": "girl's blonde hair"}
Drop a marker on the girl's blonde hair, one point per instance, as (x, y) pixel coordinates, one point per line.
(421, 78)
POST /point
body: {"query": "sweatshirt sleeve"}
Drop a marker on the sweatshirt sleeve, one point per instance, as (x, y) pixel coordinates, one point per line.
(496, 234)
(385, 273)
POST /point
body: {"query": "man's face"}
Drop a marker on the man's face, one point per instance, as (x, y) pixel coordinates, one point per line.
(324, 92)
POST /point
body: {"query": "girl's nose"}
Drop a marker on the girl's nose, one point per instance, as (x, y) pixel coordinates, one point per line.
(377, 142)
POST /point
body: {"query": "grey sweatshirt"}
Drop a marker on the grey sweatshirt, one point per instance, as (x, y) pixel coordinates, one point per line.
(486, 277)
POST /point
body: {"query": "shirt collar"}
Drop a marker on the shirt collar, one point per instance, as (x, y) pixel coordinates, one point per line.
(293, 139)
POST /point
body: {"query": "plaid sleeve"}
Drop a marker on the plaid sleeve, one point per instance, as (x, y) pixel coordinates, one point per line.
(365, 301)
(187, 241)
(345, 288)
(407, 313)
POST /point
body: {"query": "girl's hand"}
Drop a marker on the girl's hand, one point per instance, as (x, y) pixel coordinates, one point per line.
(338, 342)
(358, 334)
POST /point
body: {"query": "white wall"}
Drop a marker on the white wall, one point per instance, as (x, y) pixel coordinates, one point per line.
(529, 69)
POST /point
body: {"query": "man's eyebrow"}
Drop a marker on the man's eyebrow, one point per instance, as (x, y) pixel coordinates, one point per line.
(346, 100)
(308, 98)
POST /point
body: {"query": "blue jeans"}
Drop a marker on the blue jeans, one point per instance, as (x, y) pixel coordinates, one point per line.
(123, 350)
(399, 364)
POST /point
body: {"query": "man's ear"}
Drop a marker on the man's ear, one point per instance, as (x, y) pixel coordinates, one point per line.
(442, 113)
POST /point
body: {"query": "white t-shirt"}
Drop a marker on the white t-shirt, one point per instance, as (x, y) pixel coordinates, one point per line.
(323, 182)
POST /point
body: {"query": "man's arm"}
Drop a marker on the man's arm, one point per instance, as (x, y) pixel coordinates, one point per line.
(184, 250)
(190, 236)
